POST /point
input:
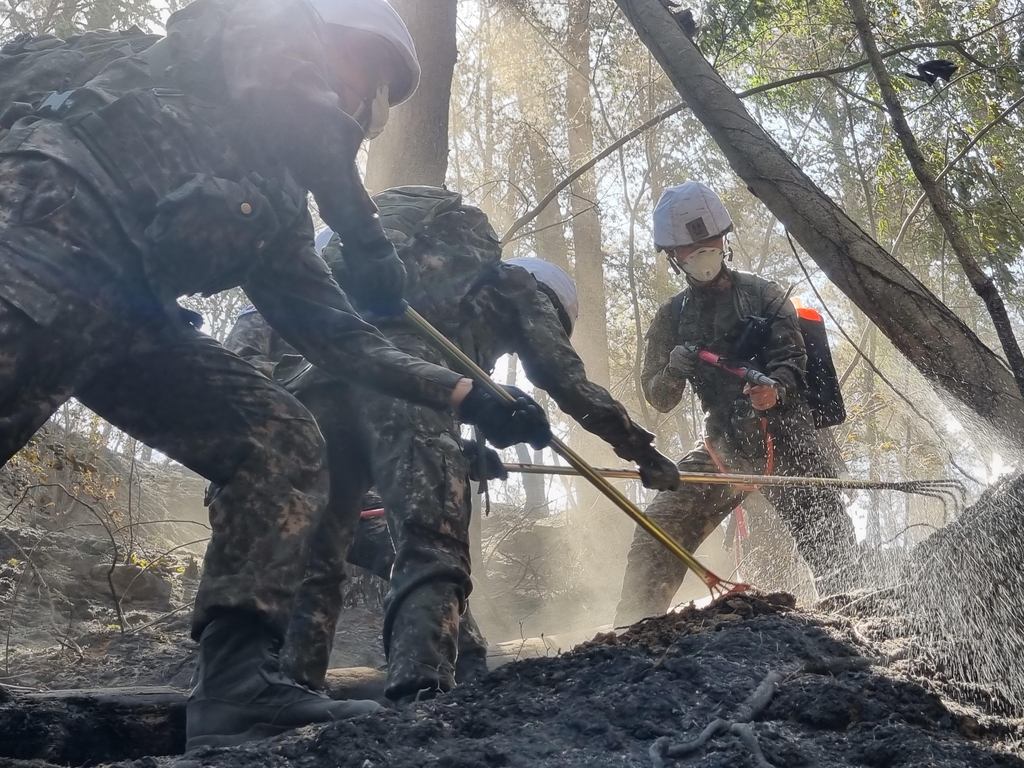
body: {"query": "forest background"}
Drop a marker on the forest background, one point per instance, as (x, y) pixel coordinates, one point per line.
(518, 94)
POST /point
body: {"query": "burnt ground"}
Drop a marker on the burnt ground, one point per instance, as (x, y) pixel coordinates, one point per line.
(860, 683)
(840, 701)
(607, 702)
(60, 629)
(162, 655)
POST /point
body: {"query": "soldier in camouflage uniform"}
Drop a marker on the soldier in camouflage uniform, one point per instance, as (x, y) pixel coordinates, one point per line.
(489, 308)
(690, 223)
(185, 169)
(373, 550)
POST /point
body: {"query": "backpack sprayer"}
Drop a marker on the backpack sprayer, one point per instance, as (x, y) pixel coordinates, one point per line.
(715, 584)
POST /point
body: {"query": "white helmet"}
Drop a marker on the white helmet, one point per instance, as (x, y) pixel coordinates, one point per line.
(323, 237)
(558, 282)
(378, 18)
(688, 214)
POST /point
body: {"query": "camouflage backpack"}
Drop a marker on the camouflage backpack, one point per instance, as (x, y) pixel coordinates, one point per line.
(447, 246)
(32, 66)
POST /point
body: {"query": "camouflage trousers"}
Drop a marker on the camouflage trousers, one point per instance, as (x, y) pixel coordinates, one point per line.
(815, 516)
(71, 326)
(374, 551)
(413, 456)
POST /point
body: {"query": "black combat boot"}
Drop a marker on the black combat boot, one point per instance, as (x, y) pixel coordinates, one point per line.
(242, 694)
(471, 665)
(422, 641)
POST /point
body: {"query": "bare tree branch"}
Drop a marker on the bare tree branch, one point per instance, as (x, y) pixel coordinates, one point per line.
(156, 560)
(981, 282)
(951, 164)
(827, 74)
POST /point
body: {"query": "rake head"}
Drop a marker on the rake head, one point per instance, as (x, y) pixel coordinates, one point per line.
(719, 587)
(951, 493)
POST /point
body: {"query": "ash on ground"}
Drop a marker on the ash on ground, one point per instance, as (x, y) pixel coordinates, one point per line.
(842, 700)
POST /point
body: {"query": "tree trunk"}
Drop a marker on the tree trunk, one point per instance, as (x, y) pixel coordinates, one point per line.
(591, 336)
(549, 234)
(924, 329)
(414, 147)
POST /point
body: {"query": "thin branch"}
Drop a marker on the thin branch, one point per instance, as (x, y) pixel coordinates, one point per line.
(566, 220)
(29, 565)
(950, 165)
(158, 619)
(857, 355)
(156, 560)
(174, 521)
(530, 215)
(853, 94)
(980, 281)
(21, 499)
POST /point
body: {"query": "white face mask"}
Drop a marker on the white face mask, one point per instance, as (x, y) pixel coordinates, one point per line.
(379, 109)
(704, 264)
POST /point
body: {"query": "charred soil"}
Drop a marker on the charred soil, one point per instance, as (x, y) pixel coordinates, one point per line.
(787, 687)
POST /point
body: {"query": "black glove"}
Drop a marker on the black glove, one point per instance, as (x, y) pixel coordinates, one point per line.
(658, 472)
(191, 318)
(286, 207)
(493, 468)
(503, 423)
(682, 360)
(375, 280)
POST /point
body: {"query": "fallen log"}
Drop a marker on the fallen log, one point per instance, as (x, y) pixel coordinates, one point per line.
(356, 683)
(93, 725)
(102, 725)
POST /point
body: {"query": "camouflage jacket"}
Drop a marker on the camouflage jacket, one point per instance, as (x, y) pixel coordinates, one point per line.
(712, 318)
(488, 308)
(204, 147)
(31, 66)
(508, 313)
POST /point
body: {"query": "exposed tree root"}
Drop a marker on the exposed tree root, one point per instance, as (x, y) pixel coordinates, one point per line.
(662, 750)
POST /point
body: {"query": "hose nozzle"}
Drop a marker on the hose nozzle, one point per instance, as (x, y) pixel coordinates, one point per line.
(748, 374)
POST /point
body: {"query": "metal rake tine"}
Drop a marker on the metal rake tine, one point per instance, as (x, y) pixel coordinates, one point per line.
(943, 498)
(945, 491)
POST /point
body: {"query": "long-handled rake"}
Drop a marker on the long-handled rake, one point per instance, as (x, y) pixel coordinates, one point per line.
(949, 492)
(715, 584)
